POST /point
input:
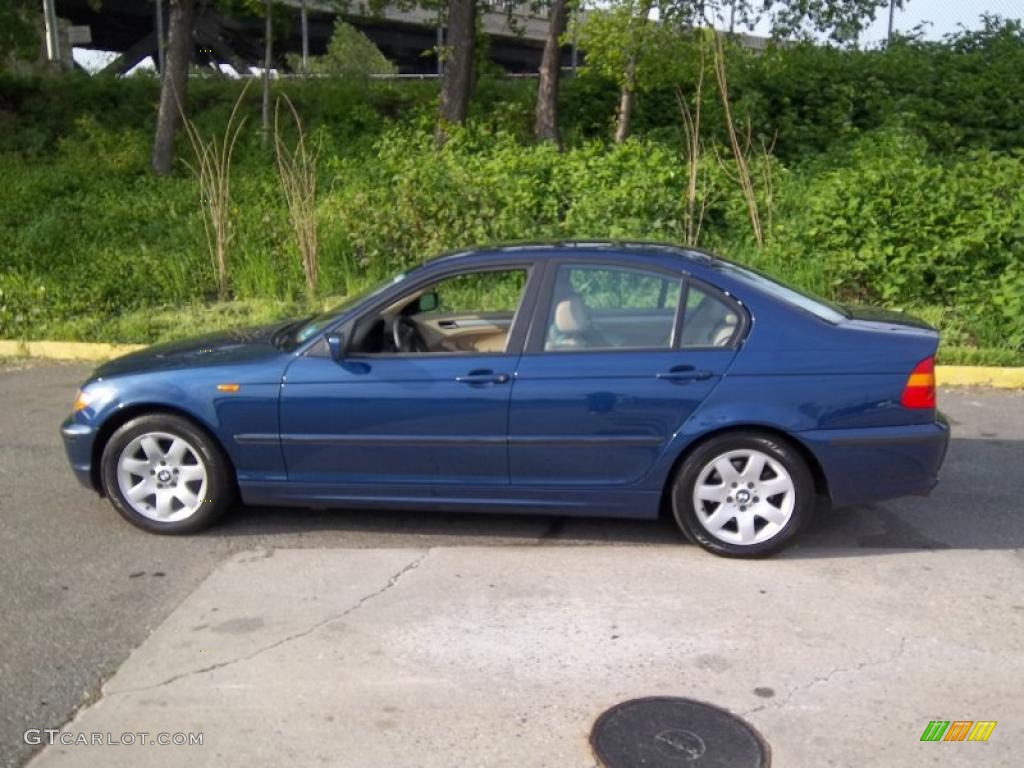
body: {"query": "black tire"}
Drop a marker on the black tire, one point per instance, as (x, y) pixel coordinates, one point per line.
(219, 483)
(684, 507)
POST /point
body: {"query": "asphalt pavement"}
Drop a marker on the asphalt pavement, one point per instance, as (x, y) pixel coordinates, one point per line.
(80, 588)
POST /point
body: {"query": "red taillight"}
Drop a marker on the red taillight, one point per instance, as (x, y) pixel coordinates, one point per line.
(920, 389)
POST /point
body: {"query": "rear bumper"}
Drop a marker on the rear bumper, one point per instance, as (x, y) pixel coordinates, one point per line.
(78, 440)
(863, 465)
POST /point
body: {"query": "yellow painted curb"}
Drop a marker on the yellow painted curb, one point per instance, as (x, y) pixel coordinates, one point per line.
(945, 375)
(979, 376)
(65, 350)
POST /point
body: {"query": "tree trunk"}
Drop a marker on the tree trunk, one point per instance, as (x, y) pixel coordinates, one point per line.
(545, 124)
(627, 94)
(268, 52)
(457, 82)
(174, 83)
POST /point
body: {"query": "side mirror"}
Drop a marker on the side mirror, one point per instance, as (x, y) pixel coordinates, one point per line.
(336, 344)
(428, 302)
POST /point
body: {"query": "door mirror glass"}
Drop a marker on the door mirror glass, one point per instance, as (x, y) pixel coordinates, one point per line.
(428, 302)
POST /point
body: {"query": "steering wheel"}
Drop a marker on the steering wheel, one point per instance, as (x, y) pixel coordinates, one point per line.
(406, 335)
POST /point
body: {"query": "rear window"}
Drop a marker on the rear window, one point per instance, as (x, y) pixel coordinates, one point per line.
(817, 306)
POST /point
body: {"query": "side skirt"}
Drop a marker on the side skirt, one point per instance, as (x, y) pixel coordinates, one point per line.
(540, 501)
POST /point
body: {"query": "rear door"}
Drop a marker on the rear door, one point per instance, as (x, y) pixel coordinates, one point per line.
(610, 371)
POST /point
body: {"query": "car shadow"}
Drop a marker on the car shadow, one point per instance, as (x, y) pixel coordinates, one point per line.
(977, 505)
(418, 528)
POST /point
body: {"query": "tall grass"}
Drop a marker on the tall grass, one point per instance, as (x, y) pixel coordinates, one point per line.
(297, 170)
(211, 168)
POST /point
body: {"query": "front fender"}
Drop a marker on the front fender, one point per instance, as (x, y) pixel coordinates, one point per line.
(253, 408)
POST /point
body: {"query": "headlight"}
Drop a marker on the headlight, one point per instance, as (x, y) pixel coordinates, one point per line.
(82, 400)
(89, 396)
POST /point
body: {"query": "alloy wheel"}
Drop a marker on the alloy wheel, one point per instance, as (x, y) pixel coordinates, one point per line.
(162, 477)
(744, 497)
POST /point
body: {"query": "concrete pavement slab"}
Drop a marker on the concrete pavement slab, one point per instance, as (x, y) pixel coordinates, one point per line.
(504, 657)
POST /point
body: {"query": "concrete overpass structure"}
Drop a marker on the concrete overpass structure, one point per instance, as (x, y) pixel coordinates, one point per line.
(407, 37)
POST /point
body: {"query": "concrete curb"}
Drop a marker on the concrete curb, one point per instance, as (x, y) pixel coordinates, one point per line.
(945, 375)
(65, 350)
(979, 376)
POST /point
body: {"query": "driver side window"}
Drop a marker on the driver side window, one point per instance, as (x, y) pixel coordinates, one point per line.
(469, 314)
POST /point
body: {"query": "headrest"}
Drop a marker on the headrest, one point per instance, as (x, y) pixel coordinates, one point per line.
(571, 315)
(725, 331)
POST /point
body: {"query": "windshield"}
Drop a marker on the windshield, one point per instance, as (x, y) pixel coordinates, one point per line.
(312, 327)
(817, 306)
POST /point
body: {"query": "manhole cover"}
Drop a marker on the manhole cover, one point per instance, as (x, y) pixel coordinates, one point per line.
(669, 732)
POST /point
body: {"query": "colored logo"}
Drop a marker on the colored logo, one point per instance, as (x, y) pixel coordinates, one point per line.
(958, 730)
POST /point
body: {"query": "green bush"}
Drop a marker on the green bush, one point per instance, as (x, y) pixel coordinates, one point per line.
(874, 205)
(350, 55)
(892, 224)
(959, 95)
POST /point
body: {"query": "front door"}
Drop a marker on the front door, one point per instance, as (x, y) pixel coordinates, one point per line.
(421, 395)
(612, 374)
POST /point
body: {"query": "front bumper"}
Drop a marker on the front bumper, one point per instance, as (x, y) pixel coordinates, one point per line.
(78, 442)
(863, 465)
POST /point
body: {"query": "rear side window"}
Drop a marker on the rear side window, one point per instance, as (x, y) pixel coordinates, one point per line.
(708, 321)
(600, 307)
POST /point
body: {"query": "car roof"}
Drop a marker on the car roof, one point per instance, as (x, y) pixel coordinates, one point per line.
(562, 248)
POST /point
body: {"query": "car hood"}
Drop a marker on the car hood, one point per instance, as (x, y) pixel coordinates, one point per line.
(240, 345)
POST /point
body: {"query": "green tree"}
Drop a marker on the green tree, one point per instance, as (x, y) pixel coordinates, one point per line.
(350, 54)
(624, 42)
(19, 35)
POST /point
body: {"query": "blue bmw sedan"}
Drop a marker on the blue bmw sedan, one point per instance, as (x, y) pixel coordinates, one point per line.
(602, 379)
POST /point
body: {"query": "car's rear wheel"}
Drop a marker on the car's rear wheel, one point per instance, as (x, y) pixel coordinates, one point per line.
(743, 494)
(165, 475)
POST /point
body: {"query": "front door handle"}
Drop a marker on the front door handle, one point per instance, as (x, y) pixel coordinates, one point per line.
(683, 374)
(482, 377)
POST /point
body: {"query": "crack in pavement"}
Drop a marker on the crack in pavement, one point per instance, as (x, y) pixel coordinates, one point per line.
(819, 679)
(391, 582)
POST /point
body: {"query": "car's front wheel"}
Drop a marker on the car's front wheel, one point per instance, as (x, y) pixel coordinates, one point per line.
(165, 475)
(743, 494)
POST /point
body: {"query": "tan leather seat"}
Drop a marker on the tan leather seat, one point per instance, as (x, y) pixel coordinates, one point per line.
(571, 316)
(723, 335)
(572, 327)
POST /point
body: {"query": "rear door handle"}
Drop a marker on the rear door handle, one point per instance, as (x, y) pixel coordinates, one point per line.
(447, 324)
(482, 377)
(683, 374)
